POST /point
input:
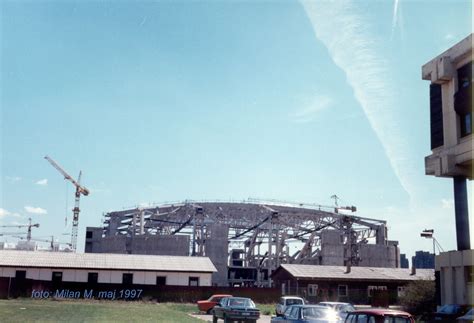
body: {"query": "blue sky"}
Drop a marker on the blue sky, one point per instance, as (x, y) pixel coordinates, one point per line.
(160, 101)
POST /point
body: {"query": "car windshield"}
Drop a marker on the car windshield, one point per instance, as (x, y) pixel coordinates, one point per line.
(241, 302)
(396, 319)
(471, 312)
(448, 309)
(293, 301)
(313, 312)
(345, 308)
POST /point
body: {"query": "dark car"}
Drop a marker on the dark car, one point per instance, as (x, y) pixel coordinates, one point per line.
(308, 314)
(449, 313)
(379, 316)
(232, 309)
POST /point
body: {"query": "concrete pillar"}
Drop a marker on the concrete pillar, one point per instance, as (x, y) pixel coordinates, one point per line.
(461, 212)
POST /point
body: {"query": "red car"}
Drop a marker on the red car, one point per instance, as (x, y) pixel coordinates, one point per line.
(379, 316)
(208, 305)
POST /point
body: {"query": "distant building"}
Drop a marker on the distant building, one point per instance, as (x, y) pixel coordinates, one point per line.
(423, 259)
(404, 261)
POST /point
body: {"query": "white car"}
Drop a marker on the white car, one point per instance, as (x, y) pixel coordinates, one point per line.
(287, 301)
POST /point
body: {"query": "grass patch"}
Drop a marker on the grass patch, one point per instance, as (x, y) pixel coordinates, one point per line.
(28, 310)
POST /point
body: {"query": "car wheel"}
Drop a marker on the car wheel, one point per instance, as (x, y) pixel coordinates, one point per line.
(226, 320)
(214, 319)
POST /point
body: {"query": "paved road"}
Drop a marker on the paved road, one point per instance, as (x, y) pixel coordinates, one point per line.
(208, 318)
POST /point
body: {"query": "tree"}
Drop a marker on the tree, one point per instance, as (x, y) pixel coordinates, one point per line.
(419, 297)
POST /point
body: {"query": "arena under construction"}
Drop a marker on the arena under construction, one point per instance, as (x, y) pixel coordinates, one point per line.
(247, 240)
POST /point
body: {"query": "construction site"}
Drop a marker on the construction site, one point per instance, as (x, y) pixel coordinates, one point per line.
(247, 240)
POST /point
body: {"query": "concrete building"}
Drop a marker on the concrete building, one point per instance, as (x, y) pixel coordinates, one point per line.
(451, 109)
(359, 285)
(456, 270)
(423, 259)
(404, 261)
(30, 270)
(247, 240)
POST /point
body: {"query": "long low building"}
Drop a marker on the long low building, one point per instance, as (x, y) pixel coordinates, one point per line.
(23, 272)
(347, 284)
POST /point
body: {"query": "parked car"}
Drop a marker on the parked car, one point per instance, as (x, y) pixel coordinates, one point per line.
(341, 308)
(379, 316)
(449, 312)
(208, 304)
(308, 314)
(286, 301)
(232, 309)
(468, 317)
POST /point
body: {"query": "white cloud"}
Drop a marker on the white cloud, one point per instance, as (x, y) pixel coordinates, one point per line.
(395, 15)
(35, 210)
(13, 179)
(347, 33)
(447, 203)
(4, 213)
(42, 182)
(311, 110)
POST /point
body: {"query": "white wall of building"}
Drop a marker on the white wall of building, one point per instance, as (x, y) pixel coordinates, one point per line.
(110, 276)
(455, 268)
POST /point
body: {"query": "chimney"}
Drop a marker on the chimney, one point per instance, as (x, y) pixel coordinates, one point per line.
(413, 270)
(348, 267)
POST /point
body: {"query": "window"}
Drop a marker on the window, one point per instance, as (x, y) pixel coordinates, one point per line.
(20, 274)
(362, 318)
(127, 279)
(294, 313)
(466, 124)
(92, 278)
(312, 290)
(350, 318)
(401, 291)
(370, 289)
(160, 280)
(396, 319)
(57, 276)
(463, 99)
(436, 116)
(193, 281)
(89, 235)
(342, 290)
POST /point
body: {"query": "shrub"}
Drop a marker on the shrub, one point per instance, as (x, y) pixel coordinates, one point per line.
(419, 297)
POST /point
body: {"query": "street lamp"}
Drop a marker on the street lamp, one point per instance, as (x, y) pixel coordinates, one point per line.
(429, 234)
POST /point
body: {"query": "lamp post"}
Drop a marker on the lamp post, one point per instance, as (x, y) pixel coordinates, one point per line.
(429, 235)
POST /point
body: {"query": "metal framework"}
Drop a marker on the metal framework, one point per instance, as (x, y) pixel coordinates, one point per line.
(260, 230)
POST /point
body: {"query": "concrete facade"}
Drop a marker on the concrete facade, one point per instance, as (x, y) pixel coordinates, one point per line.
(456, 276)
(454, 156)
(172, 245)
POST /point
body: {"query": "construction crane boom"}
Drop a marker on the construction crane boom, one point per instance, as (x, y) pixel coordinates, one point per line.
(29, 226)
(79, 190)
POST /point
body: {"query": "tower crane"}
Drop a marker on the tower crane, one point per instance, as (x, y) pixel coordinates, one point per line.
(29, 226)
(79, 190)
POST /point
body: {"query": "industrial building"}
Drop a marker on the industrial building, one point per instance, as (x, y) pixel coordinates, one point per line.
(358, 285)
(452, 142)
(247, 240)
(25, 271)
